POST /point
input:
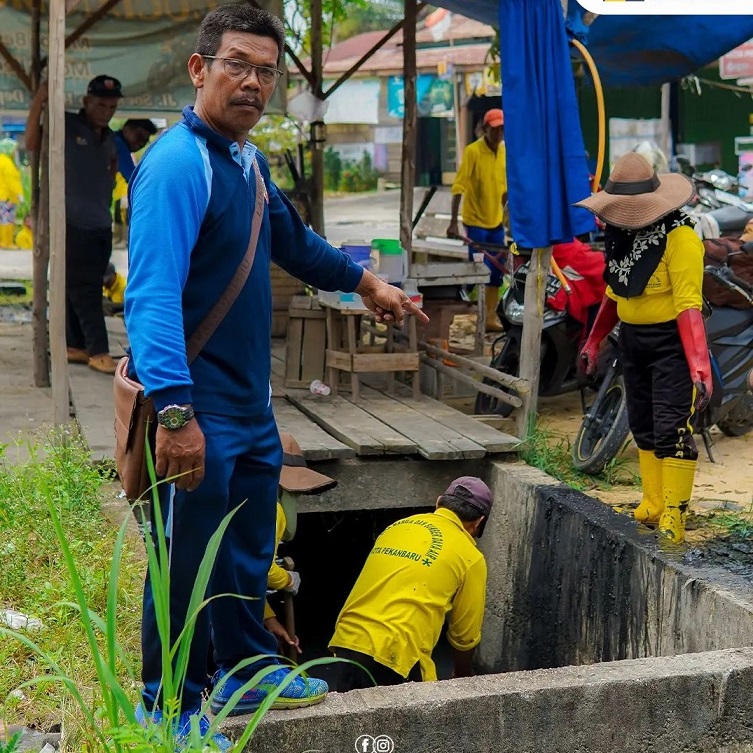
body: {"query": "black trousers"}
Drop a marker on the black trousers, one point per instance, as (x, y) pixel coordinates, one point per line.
(658, 389)
(86, 257)
(351, 677)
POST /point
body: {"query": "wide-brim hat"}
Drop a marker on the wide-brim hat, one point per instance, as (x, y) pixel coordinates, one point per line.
(296, 477)
(635, 196)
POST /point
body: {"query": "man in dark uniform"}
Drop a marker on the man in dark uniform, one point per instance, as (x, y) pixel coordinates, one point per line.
(91, 162)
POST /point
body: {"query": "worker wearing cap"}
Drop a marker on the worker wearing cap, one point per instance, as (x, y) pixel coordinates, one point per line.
(91, 162)
(420, 569)
(481, 182)
(131, 138)
(295, 478)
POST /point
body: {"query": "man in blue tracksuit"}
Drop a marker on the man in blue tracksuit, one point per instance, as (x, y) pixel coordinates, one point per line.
(192, 198)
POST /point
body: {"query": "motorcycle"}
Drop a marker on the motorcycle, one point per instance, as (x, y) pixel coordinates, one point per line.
(604, 429)
(561, 339)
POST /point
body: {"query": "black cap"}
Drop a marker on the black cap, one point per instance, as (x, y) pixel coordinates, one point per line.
(104, 86)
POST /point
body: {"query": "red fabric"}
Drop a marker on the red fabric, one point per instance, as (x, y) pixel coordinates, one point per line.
(583, 268)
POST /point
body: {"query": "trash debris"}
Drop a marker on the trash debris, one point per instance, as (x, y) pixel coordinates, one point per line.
(19, 621)
(317, 387)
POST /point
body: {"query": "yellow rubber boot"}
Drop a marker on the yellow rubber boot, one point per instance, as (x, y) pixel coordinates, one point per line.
(492, 299)
(6, 236)
(677, 480)
(651, 507)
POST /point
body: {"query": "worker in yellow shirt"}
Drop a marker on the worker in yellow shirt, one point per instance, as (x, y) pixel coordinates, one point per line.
(296, 478)
(11, 192)
(481, 182)
(420, 569)
(654, 275)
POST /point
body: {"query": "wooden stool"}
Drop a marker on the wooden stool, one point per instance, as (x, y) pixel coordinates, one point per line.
(345, 354)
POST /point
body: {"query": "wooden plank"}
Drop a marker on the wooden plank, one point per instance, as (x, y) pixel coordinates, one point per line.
(448, 269)
(365, 363)
(479, 386)
(56, 171)
(434, 441)
(294, 349)
(352, 425)
(530, 348)
(433, 282)
(431, 225)
(314, 345)
(336, 359)
(448, 247)
(492, 440)
(314, 441)
(410, 125)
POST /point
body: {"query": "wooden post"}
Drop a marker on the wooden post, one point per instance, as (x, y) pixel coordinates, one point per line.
(317, 150)
(408, 171)
(530, 350)
(39, 207)
(56, 182)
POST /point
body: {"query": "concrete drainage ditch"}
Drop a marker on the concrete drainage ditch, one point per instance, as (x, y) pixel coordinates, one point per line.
(594, 641)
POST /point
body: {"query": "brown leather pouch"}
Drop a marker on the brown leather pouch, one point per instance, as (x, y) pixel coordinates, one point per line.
(135, 420)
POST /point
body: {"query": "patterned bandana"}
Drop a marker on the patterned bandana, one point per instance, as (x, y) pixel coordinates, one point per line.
(634, 255)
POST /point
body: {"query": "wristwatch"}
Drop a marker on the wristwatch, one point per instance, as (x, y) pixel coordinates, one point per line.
(175, 416)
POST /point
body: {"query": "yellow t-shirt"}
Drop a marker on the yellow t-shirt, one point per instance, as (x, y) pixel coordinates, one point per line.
(482, 180)
(24, 238)
(116, 291)
(278, 577)
(420, 569)
(674, 287)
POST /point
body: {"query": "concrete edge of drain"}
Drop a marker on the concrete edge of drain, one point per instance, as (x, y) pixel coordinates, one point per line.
(688, 702)
(682, 703)
(724, 581)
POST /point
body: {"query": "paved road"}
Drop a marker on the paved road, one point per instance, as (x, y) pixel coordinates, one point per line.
(349, 218)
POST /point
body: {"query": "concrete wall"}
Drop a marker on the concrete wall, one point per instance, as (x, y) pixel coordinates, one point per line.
(573, 582)
(697, 702)
(389, 483)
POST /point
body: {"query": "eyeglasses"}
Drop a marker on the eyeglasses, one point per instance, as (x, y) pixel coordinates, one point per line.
(240, 70)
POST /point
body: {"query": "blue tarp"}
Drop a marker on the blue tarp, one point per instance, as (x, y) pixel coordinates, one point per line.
(640, 50)
(546, 164)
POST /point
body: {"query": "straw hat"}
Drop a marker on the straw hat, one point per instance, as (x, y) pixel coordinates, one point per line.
(635, 196)
(295, 475)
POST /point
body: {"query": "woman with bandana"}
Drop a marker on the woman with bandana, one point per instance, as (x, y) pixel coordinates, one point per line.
(654, 276)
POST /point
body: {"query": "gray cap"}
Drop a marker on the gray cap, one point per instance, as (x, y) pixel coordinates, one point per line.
(474, 491)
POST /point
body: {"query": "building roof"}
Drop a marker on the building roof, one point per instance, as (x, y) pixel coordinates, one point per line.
(443, 37)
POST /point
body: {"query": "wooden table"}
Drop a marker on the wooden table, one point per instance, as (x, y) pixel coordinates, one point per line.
(346, 354)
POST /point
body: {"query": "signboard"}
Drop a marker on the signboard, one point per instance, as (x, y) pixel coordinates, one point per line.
(738, 63)
(435, 97)
(146, 45)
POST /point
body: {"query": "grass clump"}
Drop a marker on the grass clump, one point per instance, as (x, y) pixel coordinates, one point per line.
(551, 452)
(35, 580)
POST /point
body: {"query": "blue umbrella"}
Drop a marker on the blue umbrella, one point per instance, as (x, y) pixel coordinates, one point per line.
(546, 164)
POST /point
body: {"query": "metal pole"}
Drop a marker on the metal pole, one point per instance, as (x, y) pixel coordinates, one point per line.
(56, 182)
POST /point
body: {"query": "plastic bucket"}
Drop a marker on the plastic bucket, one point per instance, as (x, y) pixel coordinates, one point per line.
(360, 254)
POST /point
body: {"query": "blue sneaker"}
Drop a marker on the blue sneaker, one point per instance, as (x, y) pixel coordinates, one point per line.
(302, 691)
(183, 726)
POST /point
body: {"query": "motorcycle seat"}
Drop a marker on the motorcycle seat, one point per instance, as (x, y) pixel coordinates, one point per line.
(725, 322)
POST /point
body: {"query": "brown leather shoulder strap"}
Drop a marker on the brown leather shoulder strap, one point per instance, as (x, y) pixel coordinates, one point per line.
(225, 302)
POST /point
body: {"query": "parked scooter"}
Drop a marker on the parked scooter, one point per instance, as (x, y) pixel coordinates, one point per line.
(604, 430)
(561, 339)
